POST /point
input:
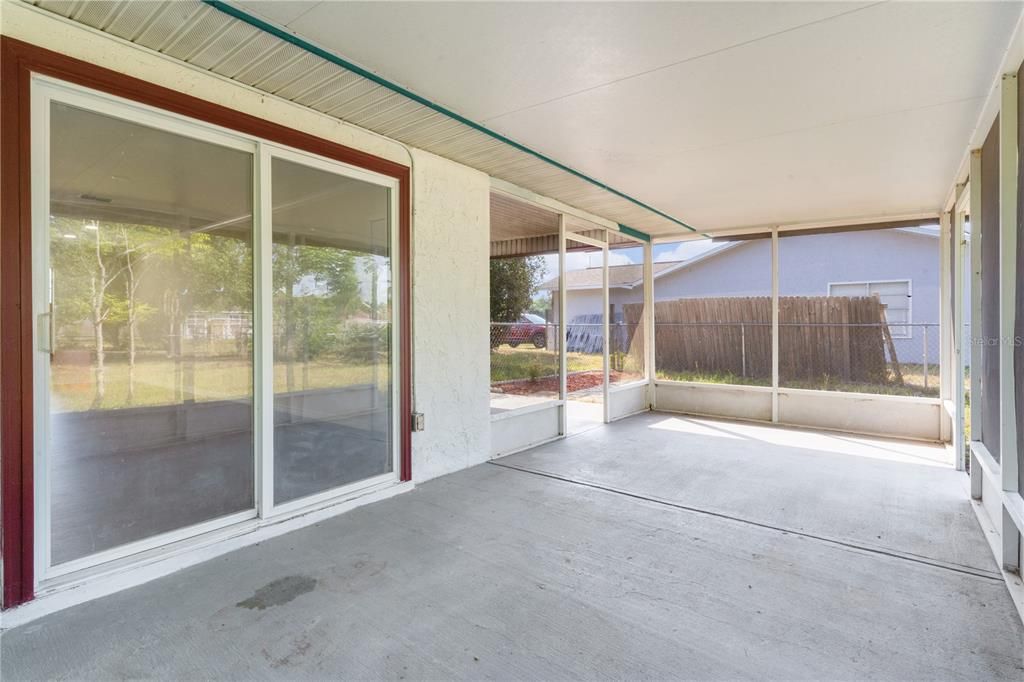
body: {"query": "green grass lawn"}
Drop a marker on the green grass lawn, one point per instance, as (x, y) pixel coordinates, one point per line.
(508, 363)
(226, 378)
(214, 379)
(714, 378)
(913, 382)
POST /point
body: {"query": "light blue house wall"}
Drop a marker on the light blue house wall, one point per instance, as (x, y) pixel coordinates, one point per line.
(808, 263)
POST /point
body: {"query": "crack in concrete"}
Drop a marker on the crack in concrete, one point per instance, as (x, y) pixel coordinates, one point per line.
(847, 544)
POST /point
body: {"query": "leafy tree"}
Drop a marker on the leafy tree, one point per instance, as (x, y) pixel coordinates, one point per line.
(220, 272)
(542, 304)
(315, 288)
(140, 246)
(514, 282)
(85, 260)
(100, 270)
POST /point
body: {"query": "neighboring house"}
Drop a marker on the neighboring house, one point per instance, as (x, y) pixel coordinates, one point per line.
(899, 265)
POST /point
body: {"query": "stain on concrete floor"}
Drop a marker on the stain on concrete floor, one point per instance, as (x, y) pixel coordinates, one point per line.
(278, 592)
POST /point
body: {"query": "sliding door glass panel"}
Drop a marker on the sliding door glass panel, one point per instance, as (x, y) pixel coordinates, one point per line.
(149, 328)
(332, 331)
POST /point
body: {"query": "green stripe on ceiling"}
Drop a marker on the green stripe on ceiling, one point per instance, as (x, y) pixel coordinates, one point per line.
(642, 236)
(267, 27)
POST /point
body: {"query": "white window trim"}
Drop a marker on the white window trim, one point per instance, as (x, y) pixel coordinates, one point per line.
(908, 325)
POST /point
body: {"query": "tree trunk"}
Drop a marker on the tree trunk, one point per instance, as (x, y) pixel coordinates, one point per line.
(99, 288)
(289, 317)
(99, 369)
(130, 286)
(189, 376)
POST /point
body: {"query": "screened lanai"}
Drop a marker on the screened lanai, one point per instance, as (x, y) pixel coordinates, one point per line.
(373, 340)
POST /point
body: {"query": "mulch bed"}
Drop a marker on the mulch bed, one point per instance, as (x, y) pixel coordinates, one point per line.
(577, 381)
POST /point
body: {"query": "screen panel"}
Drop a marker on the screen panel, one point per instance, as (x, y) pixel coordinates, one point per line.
(713, 311)
(988, 335)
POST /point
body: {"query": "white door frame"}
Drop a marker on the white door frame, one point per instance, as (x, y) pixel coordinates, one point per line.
(45, 90)
(268, 151)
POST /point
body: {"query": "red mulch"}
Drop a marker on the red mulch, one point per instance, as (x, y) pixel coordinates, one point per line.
(577, 381)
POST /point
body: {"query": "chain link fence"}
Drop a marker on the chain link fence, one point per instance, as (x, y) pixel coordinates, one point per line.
(525, 362)
(876, 358)
(861, 358)
(524, 359)
(627, 352)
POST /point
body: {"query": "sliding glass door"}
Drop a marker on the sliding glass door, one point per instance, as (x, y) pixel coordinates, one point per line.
(214, 329)
(333, 410)
(145, 302)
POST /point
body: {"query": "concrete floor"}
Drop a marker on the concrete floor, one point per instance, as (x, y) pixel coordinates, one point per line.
(656, 547)
(583, 416)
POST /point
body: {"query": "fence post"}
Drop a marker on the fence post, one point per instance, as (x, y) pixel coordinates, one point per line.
(925, 328)
(775, 324)
(743, 348)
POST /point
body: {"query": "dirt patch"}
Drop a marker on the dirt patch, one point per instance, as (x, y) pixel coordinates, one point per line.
(278, 592)
(577, 381)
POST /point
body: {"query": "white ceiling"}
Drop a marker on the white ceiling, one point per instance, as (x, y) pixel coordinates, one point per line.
(721, 114)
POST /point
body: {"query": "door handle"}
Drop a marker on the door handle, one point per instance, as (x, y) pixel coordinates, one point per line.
(45, 331)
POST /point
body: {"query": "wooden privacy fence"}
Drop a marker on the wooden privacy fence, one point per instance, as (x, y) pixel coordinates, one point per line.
(836, 336)
(842, 337)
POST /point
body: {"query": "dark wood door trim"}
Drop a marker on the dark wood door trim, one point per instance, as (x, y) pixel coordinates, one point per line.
(18, 61)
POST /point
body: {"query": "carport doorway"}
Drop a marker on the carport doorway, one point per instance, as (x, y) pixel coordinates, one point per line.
(586, 336)
(568, 328)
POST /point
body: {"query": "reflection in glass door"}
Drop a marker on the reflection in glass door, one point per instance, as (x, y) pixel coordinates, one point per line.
(160, 336)
(332, 306)
(143, 280)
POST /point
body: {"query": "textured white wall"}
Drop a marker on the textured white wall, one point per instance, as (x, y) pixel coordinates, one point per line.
(451, 308)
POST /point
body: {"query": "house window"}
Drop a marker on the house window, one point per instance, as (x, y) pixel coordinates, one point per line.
(895, 296)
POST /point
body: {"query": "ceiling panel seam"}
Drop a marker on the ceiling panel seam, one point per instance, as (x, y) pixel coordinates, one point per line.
(687, 60)
(292, 39)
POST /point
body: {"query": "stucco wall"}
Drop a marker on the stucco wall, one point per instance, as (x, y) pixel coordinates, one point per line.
(451, 309)
(743, 270)
(579, 302)
(807, 264)
(588, 301)
(450, 236)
